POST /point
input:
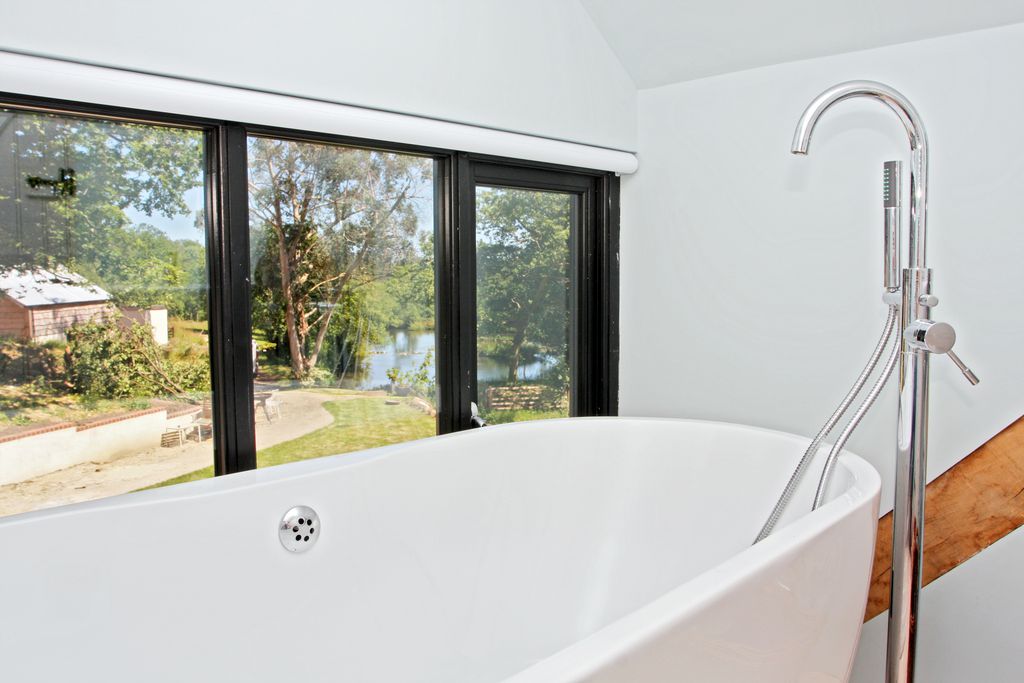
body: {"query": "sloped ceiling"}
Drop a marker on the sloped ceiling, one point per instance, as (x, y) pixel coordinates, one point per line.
(666, 41)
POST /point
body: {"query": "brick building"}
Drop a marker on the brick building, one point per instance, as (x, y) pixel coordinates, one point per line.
(40, 305)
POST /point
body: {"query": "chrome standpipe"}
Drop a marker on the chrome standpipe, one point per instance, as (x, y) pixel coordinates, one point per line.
(911, 479)
(921, 337)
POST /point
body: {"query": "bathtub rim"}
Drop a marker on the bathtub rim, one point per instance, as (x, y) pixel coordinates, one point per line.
(293, 471)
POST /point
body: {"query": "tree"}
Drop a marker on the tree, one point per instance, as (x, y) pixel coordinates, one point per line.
(523, 270)
(328, 220)
(82, 177)
(405, 300)
(144, 267)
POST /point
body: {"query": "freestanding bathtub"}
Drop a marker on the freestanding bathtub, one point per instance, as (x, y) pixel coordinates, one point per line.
(597, 550)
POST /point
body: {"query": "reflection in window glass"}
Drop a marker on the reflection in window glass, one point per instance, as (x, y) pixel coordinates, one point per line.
(104, 359)
(523, 312)
(342, 298)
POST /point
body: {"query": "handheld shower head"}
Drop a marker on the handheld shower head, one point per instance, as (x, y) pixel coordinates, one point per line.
(892, 181)
(892, 205)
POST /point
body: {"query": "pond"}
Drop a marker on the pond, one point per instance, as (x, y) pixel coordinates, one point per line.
(406, 350)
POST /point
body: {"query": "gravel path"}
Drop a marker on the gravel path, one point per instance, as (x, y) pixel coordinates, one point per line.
(302, 412)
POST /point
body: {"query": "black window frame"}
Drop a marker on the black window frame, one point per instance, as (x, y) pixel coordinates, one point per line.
(595, 252)
(593, 360)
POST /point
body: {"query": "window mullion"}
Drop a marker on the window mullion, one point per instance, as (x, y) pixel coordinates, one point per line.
(230, 317)
(456, 296)
(607, 264)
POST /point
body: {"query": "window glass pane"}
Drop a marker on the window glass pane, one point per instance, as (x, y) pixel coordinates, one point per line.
(523, 294)
(104, 357)
(342, 298)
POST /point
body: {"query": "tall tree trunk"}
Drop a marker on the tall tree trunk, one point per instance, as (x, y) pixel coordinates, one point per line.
(296, 340)
(325, 319)
(518, 339)
(295, 343)
(321, 334)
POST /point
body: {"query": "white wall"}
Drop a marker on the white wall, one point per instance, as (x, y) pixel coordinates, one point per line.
(22, 459)
(532, 66)
(751, 278)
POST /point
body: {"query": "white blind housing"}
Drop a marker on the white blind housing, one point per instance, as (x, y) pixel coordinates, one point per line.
(54, 78)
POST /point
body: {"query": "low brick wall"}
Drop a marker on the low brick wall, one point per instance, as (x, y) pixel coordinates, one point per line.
(48, 449)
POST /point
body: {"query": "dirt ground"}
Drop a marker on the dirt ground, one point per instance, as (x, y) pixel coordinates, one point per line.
(302, 412)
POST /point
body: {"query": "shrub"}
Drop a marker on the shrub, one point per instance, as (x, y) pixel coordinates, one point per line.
(119, 359)
(419, 380)
(317, 376)
(22, 361)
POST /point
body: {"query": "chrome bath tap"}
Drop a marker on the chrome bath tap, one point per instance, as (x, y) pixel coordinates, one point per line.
(920, 337)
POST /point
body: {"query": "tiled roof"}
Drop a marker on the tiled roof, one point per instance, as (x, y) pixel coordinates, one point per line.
(42, 287)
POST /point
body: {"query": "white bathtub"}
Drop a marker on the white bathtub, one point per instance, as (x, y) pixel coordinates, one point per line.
(611, 550)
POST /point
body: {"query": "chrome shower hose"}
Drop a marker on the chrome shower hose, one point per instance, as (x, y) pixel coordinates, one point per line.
(869, 400)
(844, 405)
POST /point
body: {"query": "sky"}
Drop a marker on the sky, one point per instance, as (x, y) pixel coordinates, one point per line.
(183, 227)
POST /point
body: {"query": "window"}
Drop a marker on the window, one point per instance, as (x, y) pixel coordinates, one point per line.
(543, 250)
(342, 244)
(524, 302)
(189, 297)
(104, 354)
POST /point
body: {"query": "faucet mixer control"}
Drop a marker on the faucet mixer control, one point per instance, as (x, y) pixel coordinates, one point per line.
(928, 335)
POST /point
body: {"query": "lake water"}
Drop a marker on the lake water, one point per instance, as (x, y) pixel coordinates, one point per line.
(406, 351)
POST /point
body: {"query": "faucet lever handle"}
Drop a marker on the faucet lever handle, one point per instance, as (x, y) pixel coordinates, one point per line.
(475, 419)
(971, 377)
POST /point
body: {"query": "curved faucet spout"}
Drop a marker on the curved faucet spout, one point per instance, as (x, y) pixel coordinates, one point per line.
(911, 120)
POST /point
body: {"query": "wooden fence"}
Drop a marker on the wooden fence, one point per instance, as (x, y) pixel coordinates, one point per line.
(523, 397)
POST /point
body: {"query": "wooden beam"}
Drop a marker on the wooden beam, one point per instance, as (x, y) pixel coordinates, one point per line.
(967, 508)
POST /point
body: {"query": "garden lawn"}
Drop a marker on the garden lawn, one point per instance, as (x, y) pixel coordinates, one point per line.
(497, 417)
(359, 423)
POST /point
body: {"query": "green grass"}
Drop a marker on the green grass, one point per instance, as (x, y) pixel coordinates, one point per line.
(359, 423)
(274, 369)
(497, 417)
(193, 326)
(188, 338)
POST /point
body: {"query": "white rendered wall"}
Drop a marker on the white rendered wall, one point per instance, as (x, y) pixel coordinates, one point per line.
(532, 66)
(751, 278)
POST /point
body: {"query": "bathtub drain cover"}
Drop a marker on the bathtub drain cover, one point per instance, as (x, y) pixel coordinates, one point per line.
(299, 529)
